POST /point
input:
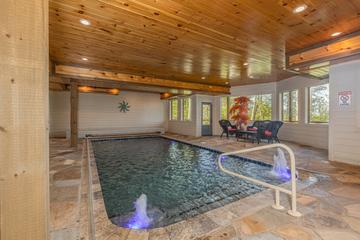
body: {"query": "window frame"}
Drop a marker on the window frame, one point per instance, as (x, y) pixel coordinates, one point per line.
(309, 105)
(182, 109)
(289, 106)
(171, 110)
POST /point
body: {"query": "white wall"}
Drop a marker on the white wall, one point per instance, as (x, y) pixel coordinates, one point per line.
(315, 135)
(183, 127)
(344, 128)
(193, 127)
(59, 104)
(99, 113)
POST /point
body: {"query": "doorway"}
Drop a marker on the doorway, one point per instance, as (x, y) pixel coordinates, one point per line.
(206, 119)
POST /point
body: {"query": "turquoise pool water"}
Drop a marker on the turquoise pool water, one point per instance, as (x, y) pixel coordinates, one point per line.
(179, 180)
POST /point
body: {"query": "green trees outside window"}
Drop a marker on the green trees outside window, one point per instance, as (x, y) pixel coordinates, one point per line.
(186, 109)
(289, 106)
(319, 104)
(173, 109)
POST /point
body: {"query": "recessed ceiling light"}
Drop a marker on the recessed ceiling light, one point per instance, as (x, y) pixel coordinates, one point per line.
(335, 34)
(84, 59)
(85, 22)
(245, 63)
(226, 82)
(300, 8)
(202, 78)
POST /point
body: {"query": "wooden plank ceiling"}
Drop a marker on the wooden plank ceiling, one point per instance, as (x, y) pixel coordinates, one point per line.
(198, 41)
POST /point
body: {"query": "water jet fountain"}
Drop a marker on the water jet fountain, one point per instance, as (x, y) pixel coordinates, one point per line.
(139, 219)
(280, 168)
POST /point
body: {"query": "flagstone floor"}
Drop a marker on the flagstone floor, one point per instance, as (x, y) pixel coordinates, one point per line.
(330, 207)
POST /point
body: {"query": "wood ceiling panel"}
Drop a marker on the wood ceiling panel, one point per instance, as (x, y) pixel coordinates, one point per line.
(193, 40)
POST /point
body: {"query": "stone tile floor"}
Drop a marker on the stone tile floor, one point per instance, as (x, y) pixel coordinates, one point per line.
(330, 207)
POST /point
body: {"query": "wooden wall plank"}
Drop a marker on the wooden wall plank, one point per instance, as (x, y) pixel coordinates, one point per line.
(24, 131)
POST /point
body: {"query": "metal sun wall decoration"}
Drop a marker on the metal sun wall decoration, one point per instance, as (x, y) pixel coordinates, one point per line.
(124, 106)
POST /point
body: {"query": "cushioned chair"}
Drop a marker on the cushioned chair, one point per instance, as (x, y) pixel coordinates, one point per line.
(227, 128)
(275, 126)
(268, 130)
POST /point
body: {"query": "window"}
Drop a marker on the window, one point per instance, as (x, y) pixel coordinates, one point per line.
(289, 106)
(224, 107)
(173, 109)
(186, 109)
(260, 107)
(319, 104)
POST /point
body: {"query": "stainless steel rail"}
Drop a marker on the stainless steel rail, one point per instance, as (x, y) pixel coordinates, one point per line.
(293, 211)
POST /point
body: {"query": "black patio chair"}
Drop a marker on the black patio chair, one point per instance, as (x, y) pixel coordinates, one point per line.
(254, 126)
(268, 130)
(275, 127)
(262, 129)
(227, 128)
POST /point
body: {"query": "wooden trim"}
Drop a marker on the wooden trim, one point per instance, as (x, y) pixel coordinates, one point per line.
(94, 74)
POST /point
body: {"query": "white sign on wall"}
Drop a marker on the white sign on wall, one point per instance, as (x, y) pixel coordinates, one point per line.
(344, 98)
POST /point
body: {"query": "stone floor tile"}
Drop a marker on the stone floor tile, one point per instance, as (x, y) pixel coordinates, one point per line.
(221, 216)
(138, 235)
(337, 235)
(353, 210)
(294, 232)
(263, 236)
(354, 223)
(68, 234)
(351, 192)
(222, 233)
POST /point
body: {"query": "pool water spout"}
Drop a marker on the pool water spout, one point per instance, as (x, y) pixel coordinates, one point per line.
(280, 168)
(140, 219)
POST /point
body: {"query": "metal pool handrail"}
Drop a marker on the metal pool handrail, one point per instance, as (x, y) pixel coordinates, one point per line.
(292, 192)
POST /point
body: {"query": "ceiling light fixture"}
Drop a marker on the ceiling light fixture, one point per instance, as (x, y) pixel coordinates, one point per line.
(335, 34)
(202, 78)
(84, 59)
(300, 8)
(85, 22)
(226, 83)
(245, 63)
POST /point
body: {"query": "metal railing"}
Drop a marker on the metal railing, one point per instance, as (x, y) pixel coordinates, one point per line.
(293, 211)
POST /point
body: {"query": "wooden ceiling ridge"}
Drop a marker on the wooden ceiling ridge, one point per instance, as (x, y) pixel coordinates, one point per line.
(94, 74)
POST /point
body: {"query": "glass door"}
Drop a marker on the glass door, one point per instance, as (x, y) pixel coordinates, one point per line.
(206, 120)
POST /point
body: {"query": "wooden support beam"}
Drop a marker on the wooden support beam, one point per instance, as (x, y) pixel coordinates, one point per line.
(24, 125)
(96, 75)
(327, 51)
(57, 86)
(74, 105)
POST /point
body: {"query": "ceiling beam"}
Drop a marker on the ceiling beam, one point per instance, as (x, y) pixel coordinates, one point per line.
(326, 51)
(99, 75)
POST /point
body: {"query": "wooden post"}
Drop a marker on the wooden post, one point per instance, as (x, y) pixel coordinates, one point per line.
(24, 109)
(74, 102)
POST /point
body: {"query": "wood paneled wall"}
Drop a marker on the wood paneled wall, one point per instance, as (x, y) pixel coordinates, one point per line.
(24, 154)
